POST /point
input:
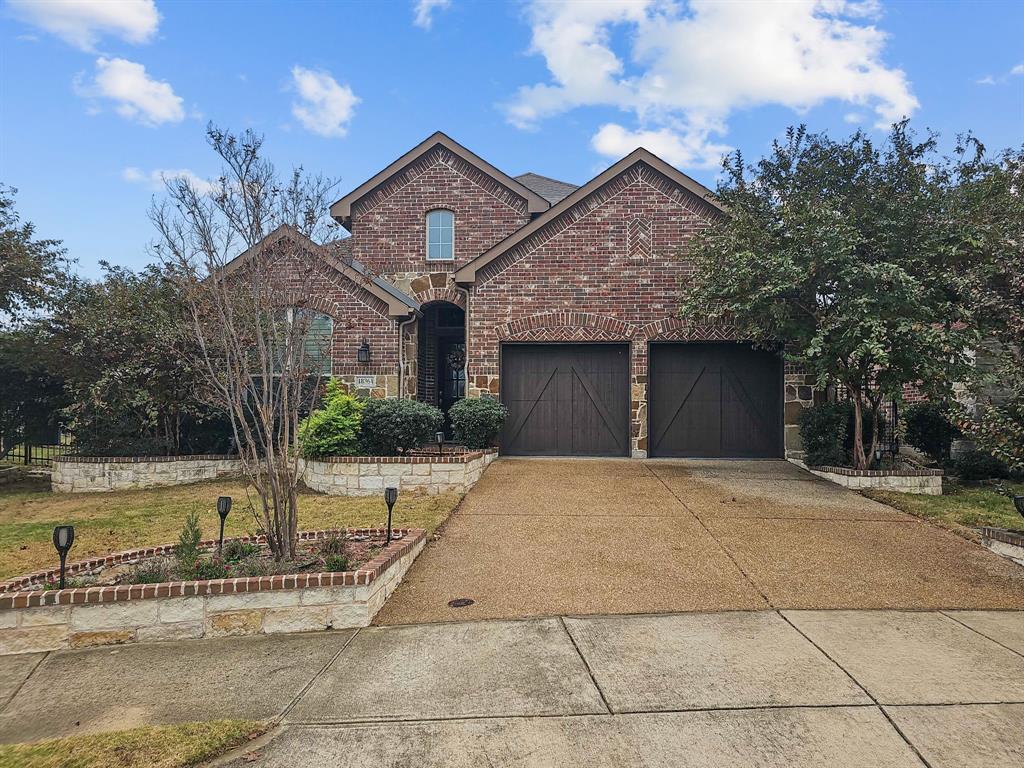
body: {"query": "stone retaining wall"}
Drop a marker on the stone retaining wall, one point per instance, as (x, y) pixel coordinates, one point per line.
(82, 617)
(74, 474)
(339, 476)
(369, 475)
(924, 481)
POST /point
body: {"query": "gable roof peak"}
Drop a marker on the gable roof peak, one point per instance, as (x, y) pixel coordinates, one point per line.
(467, 273)
(342, 209)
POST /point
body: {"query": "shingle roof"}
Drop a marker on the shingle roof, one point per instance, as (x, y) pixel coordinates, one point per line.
(551, 190)
(342, 248)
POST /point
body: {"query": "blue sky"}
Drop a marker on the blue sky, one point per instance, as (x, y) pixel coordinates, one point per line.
(98, 98)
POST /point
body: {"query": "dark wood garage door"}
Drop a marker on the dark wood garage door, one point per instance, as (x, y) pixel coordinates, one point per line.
(714, 400)
(565, 399)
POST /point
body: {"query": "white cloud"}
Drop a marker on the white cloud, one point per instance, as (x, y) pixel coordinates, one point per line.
(137, 96)
(986, 80)
(1018, 70)
(326, 106)
(82, 22)
(423, 12)
(155, 179)
(680, 148)
(688, 69)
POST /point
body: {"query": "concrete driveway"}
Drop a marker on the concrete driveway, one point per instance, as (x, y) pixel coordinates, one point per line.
(548, 537)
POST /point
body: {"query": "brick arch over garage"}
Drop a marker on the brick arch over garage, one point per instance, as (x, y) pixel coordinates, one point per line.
(677, 329)
(566, 326)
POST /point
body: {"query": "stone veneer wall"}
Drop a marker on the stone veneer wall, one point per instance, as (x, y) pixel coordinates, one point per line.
(83, 617)
(73, 474)
(366, 476)
(924, 481)
(338, 476)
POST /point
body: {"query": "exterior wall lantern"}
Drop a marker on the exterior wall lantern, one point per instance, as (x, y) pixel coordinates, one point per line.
(63, 538)
(223, 507)
(363, 353)
(390, 497)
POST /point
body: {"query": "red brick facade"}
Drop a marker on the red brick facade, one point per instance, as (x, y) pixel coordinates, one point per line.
(389, 224)
(603, 265)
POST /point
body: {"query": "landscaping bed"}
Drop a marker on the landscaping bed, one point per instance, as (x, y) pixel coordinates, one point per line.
(34, 619)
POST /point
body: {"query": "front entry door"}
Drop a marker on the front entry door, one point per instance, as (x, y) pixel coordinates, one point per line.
(451, 375)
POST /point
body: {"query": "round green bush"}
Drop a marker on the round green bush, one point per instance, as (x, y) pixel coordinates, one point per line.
(823, 431)
(477, 421)
(929, 429)
(391, 427)
(334, 429)
(972, 467)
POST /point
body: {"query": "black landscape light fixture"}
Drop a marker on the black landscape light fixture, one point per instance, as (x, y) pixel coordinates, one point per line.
(223, 507)
(439, 437)
(1018, 502)
(363, 353)
(390, 497)
(63, 538)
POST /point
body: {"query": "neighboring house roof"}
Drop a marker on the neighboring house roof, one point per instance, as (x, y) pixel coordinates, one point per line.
(338, 256)
(342, 209)
(550, 189)
(467, 273)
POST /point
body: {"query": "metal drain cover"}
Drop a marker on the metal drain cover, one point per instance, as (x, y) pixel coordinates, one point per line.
(459, 602)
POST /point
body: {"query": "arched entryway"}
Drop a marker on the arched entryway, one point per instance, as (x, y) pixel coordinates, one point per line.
(441, 355)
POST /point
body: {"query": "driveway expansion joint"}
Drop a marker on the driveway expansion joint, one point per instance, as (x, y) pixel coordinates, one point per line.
(948, 613)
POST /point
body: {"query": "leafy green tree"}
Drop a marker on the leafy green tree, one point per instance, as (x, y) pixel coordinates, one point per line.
(33, 395)
(854, 257)
(31, 271)
(128, 365)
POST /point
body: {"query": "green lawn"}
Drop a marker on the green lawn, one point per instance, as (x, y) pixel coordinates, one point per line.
(109, 522)
(959, 505)
(168, 746)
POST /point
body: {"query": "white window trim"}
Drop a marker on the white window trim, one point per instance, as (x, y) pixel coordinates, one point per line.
(426, 233)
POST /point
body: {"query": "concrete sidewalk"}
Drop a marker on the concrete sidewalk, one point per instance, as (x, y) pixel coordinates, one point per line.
(793, 689)
(545, 537)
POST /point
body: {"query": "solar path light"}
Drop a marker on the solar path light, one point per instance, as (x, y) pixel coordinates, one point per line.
(63, 538)
(223, 507)
(390, 497)
(439, 437)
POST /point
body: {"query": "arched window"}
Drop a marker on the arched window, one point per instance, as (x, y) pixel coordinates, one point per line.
(316, 331)
(440, 235)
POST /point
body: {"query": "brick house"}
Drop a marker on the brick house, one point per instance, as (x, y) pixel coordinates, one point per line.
(461, 281)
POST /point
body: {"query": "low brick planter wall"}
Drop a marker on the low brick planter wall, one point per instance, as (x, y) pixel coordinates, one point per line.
(925, 481)
(40, 620)
(368, 475)
(74, 474)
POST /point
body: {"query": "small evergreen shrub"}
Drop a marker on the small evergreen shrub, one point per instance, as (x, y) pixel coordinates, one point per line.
(972, 467)
(187, 548)
(236, 550)
(391, 427)
(824, 432)
(334, 429)
(336, 563)
(334, 545)
(477, 421)
(930, 430)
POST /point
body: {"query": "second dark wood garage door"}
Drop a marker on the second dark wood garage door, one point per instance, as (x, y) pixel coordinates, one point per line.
(565, 399)
(714, 400)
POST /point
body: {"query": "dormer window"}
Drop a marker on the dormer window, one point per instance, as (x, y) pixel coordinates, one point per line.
(440, 235)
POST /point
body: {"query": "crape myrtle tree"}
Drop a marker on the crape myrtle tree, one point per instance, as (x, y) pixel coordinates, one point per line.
(854, 257)
(991, 197)
(247, 299)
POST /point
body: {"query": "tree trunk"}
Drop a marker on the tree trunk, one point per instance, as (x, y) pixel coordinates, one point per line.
(875, 442)
(860, 460)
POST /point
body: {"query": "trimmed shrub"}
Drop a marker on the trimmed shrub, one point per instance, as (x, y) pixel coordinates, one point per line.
(929, 429)
(477, 421)
(391, 427)
(334, 429)
(824, 431)
(972, 467)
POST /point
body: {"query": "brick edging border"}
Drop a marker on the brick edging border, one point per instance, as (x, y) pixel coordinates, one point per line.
(370, 571)
(850, 472)
(448, 458)
(1000, 534)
